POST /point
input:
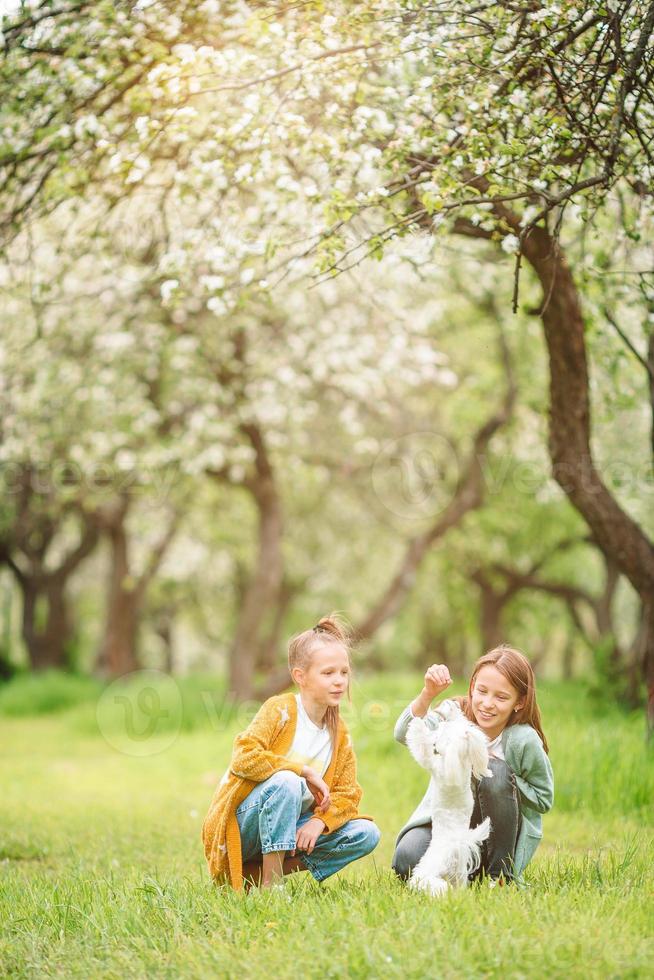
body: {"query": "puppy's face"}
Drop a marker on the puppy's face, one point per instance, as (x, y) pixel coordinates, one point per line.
(459, 749)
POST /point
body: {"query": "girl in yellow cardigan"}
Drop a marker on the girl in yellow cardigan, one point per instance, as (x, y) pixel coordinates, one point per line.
(288, 801)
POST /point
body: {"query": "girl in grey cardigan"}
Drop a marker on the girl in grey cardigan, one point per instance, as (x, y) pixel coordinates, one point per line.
(501, 700)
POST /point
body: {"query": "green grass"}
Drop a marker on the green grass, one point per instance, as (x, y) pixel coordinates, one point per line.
(102, 872)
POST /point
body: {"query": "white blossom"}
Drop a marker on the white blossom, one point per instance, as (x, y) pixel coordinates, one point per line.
(168, 288)
(510, 243)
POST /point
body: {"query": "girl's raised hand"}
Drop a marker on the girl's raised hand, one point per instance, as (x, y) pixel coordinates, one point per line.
(437, 679)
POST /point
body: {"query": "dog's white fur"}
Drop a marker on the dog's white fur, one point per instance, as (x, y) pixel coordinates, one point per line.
(451, 753)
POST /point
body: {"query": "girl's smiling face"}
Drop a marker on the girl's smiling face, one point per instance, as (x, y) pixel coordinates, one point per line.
(494, 700)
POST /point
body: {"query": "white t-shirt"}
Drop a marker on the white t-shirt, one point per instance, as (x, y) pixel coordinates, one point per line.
(312, 747)
(495, 747)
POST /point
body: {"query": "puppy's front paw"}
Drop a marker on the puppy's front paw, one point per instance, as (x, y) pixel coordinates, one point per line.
(419, 740)
(448, 710)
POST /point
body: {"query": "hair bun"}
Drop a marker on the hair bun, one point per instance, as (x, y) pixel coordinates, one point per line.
(335, 625)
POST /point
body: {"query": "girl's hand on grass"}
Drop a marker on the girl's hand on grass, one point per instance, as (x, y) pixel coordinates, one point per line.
(308, 834)
(437, 679)
(318, 787)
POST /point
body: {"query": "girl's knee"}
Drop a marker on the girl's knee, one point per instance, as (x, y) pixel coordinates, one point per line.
(363, 836)
(409, 850)
(401, 867)
(403, 861)
(371, 836)
(286, 782)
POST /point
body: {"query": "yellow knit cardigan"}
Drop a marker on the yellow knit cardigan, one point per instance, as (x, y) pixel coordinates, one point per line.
(258, 753)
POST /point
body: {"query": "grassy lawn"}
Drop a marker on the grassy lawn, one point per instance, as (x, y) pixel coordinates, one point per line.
(102, 872)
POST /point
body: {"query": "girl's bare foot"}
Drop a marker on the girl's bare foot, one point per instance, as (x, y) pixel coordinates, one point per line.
(253, 870)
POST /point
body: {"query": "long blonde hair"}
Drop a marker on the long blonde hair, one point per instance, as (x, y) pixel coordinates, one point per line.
(519, 673)
(302, 646)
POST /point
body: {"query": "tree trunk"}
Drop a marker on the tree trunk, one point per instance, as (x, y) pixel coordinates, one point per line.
(44, 598)
(567, 664)
(118, 653)
(46, 618)
(647, 662)
(269, 647)
(164, 628)
(650, 377)
(490, 618)
(437, 648)
(265, 582)
(616, 668)
(634, 666)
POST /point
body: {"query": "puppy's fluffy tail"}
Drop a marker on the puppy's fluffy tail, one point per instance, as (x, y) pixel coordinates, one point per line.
(479, 834)
(468, 857)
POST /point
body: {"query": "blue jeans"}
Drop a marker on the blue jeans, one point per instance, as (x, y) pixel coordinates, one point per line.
(495, 797)
(269, 818)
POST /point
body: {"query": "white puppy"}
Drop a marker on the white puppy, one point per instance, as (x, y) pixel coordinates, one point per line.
(451, 753)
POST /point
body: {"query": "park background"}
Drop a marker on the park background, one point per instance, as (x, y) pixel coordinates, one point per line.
(311, 309)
